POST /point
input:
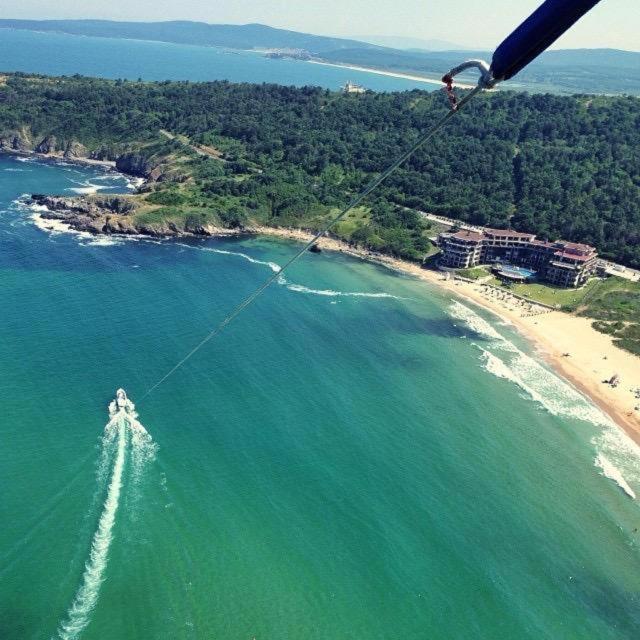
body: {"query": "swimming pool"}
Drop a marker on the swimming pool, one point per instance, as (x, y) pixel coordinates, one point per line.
(513, 272)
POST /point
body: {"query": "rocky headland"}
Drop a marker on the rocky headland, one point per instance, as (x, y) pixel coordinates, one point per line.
(117, 215)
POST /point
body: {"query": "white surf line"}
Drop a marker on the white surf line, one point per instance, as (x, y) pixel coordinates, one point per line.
(297, 288)
(85, 600)
(609, 470)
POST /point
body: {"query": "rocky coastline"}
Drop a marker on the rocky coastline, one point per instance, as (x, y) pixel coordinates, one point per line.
(108, 215)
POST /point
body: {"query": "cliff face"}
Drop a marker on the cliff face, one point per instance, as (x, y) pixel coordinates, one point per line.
(18, 140)
(75, 150)
(47, 145)
(136, 164)
(131, 163)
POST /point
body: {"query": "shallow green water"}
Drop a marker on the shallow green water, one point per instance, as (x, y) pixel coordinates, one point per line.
(331, 467)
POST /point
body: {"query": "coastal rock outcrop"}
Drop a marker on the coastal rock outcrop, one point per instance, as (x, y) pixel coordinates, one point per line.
(102, 153)
(16, 141)
(47, 145)
(114, 214)
(75, 149)
(136, 164)
(92, 214)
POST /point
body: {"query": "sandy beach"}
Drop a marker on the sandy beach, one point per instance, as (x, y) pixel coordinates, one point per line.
(391, 74)
(568, 343)
(592, 357)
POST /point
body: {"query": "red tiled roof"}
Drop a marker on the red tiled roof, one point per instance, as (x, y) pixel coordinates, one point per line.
(573, 256)
(465, 234)
(508, 232)
(574, 247)
(542, 243)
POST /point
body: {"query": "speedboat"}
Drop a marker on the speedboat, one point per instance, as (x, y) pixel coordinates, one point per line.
(121, 399)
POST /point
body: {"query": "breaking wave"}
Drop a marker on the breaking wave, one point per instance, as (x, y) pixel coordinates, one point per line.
(609, 470)
(615, 451)
(330, 293)
(297, 288)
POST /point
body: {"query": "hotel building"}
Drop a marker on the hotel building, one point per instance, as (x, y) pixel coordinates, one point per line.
(564, 264)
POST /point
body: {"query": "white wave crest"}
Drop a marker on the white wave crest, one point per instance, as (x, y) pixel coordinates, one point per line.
(103, 241)
(542, 385)
(88, 188)
(613, 446)
(609, 470)
(474, 321)
(272, 265)
(298, 288)
(330, 293)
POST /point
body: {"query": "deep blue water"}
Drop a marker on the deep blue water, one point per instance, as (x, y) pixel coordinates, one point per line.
(61, 54)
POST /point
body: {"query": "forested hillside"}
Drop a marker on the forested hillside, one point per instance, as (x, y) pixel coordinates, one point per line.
(556, 166)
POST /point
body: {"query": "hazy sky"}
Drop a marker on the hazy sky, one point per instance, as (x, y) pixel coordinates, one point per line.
(612, 23)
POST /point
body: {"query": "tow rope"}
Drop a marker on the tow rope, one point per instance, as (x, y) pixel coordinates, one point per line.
(545, 25)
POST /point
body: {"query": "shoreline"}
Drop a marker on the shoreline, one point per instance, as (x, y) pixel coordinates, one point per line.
(594, 357)
(58, 156)
(391, 74)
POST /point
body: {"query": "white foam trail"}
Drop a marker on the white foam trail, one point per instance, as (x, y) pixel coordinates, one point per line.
(143, 449)
(609, 470)
(125, 427)
(334, 294)
(85, 600)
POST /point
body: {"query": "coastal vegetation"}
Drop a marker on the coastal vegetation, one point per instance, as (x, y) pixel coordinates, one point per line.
(613, 303)
(560, 167)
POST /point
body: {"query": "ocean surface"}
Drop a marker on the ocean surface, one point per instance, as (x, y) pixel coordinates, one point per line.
(356, 456)
(61, 54)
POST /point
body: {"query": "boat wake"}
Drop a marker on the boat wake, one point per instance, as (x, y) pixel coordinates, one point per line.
(130, 440)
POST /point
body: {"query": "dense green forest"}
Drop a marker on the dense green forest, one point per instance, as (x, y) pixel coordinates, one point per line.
(557, 166)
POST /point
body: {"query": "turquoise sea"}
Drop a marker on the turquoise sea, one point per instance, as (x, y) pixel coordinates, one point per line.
(62, 54)
(356, 456)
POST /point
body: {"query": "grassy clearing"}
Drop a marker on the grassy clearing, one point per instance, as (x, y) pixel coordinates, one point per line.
(475, 273)
(566, 299)
(615, 305)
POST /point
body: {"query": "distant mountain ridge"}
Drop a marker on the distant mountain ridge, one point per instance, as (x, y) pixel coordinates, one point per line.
(559, 71)
(246, 36)
(413, 44)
